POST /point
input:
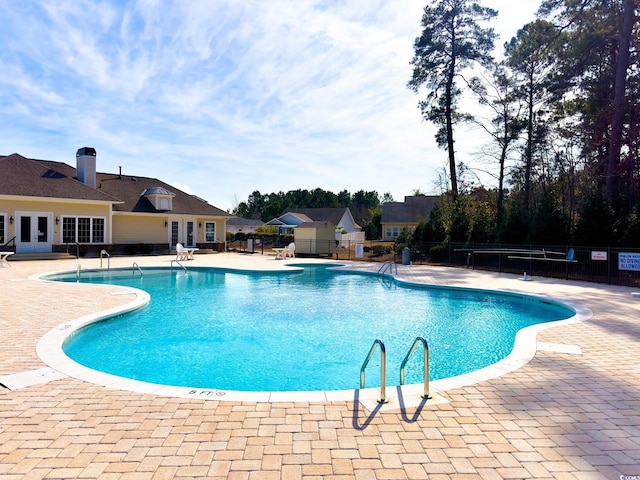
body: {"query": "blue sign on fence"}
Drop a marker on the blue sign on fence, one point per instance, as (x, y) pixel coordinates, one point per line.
(629, 261)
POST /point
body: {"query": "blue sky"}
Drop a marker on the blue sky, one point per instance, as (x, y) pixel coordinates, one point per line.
(224, 97)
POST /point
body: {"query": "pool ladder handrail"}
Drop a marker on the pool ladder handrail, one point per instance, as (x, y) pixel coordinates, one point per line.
(425, 347)
(383, 368)
(78, 272)
(104, 252)
(178, 262)
(391, 266)
(133, 269)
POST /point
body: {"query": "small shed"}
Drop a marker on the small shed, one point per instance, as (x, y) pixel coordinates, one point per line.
(315, 238)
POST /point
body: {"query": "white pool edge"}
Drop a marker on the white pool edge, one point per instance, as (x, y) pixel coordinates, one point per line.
(49, 350)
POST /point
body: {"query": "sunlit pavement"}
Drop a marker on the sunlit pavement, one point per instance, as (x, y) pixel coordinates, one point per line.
(572, 412)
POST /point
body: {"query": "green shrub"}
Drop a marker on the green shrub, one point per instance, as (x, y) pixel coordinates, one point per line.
(380, 250)
(438, 253)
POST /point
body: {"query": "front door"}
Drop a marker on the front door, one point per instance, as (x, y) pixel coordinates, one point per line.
(33, 232)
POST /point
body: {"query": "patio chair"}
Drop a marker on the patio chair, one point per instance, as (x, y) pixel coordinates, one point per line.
(181, 253)
(289, 251)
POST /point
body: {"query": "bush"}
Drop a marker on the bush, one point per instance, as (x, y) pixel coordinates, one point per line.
(439, 253)
(380, 250)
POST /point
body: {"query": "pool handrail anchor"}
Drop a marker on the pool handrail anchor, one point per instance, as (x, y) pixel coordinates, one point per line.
(133, 269)
(425, 346)
(383, 368)
(104, 252)
(178, 262)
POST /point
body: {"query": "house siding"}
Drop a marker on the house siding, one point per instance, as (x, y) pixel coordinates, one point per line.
(129, 229)
(57, 210)
(395, 228)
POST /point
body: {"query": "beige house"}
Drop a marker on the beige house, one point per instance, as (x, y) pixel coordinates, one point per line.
(48, 206)
(399, 216)
(315, 238)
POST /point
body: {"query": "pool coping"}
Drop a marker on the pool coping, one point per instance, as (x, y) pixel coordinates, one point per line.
(49, 350)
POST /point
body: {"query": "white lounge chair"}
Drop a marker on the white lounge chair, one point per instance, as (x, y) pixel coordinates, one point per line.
(289, 251)
(181, 253)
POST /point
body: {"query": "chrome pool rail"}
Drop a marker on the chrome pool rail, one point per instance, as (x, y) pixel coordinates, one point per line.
(392, 267)
(104, 252)
(425, 346)
(133, 269)
(178, 262)
(383, 368)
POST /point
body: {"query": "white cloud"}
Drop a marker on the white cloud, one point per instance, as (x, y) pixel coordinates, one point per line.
(223, 97)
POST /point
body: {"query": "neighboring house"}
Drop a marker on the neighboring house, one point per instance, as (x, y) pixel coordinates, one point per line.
(398, 216)
(244, 225)
(48, 206)
(340, 217)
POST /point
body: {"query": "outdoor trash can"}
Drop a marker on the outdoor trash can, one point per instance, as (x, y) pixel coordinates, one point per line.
(406, 256)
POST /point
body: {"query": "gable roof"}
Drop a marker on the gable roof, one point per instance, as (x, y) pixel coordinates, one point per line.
(316, 224)
(410, 210)
(40, 178)
(44, 178)
(249, 222)
(290, 219)
(332, 215)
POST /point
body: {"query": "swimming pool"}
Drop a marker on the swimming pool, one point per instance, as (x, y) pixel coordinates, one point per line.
(308, 330)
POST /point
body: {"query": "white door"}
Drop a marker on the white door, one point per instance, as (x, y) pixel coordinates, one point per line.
(34, 233)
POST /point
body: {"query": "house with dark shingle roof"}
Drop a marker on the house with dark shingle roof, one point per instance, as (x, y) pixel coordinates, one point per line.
(48, 206)
(243, 225)
(347, 230)
(398, 216)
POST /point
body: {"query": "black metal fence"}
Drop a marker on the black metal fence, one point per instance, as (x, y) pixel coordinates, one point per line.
(613, 266)
(610, 265)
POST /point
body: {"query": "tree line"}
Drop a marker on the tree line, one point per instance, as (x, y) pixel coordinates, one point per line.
(562, 137)
(563, 133)
(365, 206)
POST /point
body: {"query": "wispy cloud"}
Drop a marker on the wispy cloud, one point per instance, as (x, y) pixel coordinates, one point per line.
(221, 97)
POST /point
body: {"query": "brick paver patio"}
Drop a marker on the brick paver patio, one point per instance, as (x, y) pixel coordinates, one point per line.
(562, 416)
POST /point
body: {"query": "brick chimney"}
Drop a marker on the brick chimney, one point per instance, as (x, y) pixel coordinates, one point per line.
(86, 166)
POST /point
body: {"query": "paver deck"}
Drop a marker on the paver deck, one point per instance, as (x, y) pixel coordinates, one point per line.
(561, 416)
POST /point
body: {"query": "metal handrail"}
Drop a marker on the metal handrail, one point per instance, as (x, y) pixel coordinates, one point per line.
(425, 346)
(104, 252)
(178, 262)
(383, 368)
(78, 271)
(134, 266)
(391, 266)
(10, 241)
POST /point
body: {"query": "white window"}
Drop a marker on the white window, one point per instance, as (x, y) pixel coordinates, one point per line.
(83, 229)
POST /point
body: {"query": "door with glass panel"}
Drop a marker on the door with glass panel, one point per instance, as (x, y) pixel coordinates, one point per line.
(33, 232)
(174, 233)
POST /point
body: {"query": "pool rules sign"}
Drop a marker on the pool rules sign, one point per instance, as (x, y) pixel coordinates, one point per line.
(629, 261)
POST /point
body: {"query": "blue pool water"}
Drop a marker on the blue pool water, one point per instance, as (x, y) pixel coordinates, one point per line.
(311, 330)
